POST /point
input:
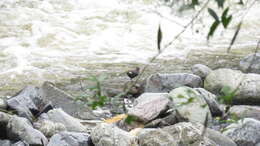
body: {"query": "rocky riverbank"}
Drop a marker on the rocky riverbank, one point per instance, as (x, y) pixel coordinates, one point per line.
(202, 107)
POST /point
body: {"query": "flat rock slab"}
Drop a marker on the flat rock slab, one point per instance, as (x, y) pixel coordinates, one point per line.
(69, 139)
(159, 83)
(148, 106)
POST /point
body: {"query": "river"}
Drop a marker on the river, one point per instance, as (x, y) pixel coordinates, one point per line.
(61, 40)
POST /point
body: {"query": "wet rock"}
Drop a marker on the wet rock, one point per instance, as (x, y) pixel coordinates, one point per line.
(27, 102)
(219, 138)
(3, 104)
(21, 129)
(247, 85)
(167, 82)
(4, 118)
(245, 132)
(244, 111)
(69, 139)
(49, 128)
(5, 142)
(110, 135)
(148, 106)
(211, 100)
(59, 116)
(190, 104)
(61, 99)
(250, 63)
(183, 133)
(201, 70)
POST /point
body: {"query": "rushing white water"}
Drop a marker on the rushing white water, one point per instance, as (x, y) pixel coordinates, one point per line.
(54, 39)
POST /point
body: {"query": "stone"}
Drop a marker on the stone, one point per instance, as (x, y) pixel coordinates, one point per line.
(245, 111)
(69, 139)
(109, 135)
(148, 106)
(247, 85)
(5, 142)
(190, 104)
(251, 63)
(49, 128)
(59, 116)
(219, 138)
(211, 99)
(3, 104)
(183, 133)
(21, 129)
(200, 70)
(27, 102)
(4, 119)
(167, 82)
(61, 99)
(245, 132)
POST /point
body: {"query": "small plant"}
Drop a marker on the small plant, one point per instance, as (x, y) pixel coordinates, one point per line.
(98, 96)
(227, 95)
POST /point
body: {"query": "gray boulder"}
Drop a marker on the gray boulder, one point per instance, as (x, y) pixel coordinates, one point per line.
(183, 133)
(247, 85)
(167, 82)
(219, 138)
(5, 142)
(190, 104)
(21, 129)
(110, 135)
(49, 128)
(245, 111)
(200, 70)
(69, 139)
(27, 102)
(245, 133)
(250, 63)
(148, 106)
(59, 116)
(61, 99)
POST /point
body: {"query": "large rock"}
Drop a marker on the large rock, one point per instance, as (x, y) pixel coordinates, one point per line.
(167, 82)
(245, 111)
(250, 63)
(148, 106)
(63, 100)
(5, 142)
(219, 138)
(110, 135)
(4, 118)
(69, 139)
(247, 85)
(49, 128)
(200, 70)
(27, 103)
(190, 104)
(245, 133)
(183, 133)
(59, 116)
(21, 129)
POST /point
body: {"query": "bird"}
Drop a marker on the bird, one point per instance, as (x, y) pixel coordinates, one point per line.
(133, 73)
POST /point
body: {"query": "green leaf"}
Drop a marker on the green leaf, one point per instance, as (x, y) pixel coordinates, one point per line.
(220, 3)
(159, 38)
(234, 37)
(129, 119)
(213, 14)
(212, 29)
(224, 19)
